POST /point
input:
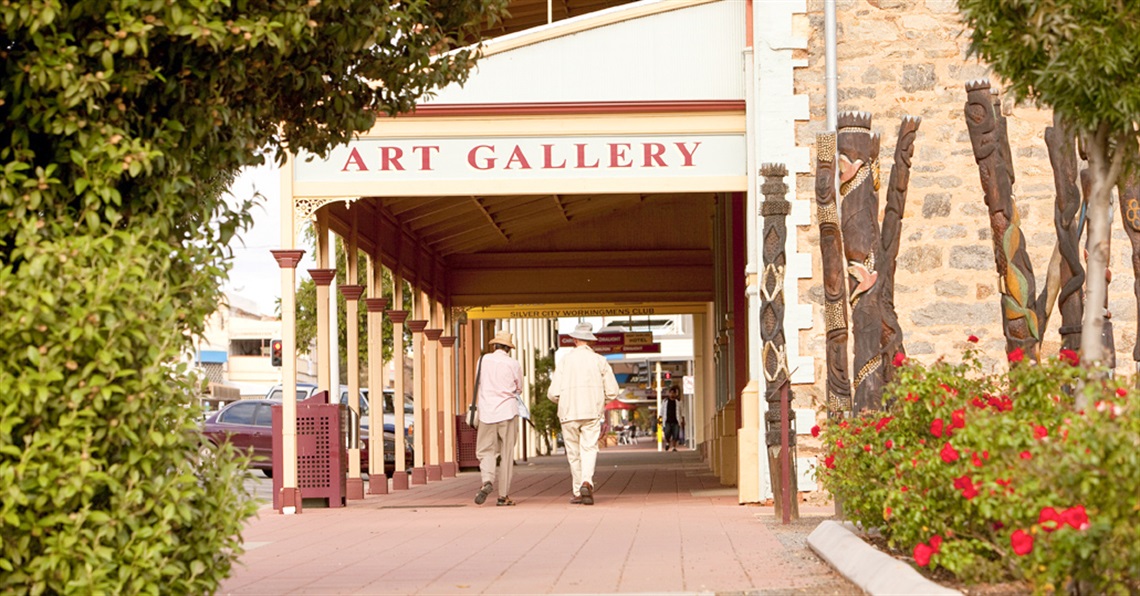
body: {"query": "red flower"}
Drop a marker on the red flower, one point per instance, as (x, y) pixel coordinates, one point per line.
(899, 359)
(1004, 481)
(948, 389)
(972, 339)
(967, 487)
(922, 554)
(958, 418)
(911, 397)
(889, 443)
(1022, 542)
(936, 542)
(829, 462)
(839, 443)
(1050, 519)
(936, 427)
(1071, 357)
(903, 488)
(1121, 391)
(815, 431)
(949, 453)
(1017, 355)
(1025, 455)
(842, 424)
(997, 525)
(883, 422)
(1076, 517)
(1040, 432)
(979, 403)
(975, 460)
(867, 448)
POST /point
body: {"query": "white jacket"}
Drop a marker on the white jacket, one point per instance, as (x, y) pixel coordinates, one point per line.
(581, 385)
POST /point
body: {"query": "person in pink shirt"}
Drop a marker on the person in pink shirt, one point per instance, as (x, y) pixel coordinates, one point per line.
(499, 382)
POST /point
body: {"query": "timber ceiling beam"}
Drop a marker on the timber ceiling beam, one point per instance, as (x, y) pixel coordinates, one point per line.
(490, 219)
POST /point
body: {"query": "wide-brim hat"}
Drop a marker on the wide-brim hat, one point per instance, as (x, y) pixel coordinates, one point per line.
(584, 332)
(504, 338)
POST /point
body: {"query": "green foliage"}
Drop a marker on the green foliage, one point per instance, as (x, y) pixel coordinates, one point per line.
(1078, 57)
(962, 469)
(122, 123)
(543, 412)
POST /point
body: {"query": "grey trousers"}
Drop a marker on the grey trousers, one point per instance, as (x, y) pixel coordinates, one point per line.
(494, 440)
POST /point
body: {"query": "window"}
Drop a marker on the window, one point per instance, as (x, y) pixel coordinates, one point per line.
(249, 347)
(239, 414)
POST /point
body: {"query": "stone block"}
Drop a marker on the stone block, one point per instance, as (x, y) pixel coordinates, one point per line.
(955, 313)
(949, 287)
(920, 258)
(936, 204)
(971, 257)
(917, 77)
(954, 231)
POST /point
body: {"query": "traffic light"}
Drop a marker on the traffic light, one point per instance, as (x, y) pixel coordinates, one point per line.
(275, 352)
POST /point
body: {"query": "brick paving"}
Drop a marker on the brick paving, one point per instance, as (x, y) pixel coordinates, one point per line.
(662, 523)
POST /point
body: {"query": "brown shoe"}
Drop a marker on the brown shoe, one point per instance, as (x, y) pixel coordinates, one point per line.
(587, 491)
(576, 501)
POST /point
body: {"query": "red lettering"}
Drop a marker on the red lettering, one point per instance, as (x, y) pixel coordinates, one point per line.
(618, 158)
(582, 157)
(548, 157)
(390, 156)
(517, 157)
(653, 153)
(354, 158)
(425, 155)
(488, 162)
(688, 153)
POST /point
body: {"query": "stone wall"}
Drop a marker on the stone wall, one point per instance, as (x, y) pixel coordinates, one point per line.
(900, 57)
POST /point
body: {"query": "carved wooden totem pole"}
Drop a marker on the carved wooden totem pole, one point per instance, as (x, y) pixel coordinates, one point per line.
(834, 294)
(892, 230)
(1066, 277)
(995, 169)
(1129, 191)
(775, 209)
(859, 211)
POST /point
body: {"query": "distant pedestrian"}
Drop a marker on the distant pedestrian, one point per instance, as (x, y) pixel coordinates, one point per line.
(581, 385)
(499, 384)
(672, 420)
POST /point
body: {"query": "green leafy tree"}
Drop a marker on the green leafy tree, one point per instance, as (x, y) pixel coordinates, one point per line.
(1080, 58)
(123, 121)
(544, 413)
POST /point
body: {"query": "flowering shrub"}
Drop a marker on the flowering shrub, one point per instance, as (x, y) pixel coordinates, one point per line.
(994, 477)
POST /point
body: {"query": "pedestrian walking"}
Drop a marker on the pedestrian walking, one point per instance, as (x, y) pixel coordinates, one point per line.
(581, 385)
(672, 422)
(499, 383)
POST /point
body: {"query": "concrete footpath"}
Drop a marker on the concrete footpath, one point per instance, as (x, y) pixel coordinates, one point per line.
(661, 524)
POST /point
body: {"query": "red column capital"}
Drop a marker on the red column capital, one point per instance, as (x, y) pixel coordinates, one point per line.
(351, 292)
(398, 316)
(287, 259)
(417, 325)
(322, 277)
(433, 334)
(447, 341)
(376, 304)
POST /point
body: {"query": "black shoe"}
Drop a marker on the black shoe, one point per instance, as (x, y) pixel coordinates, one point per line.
(481, 496)
(587, 493)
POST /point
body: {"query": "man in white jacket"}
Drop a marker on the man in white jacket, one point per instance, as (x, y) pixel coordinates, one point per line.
(581, 385)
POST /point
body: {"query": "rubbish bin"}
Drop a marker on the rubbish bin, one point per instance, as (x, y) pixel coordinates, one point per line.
(322, 462)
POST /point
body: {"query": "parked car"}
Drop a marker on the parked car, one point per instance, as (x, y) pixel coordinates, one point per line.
(389, 414)
(304, 391)
(248, 425)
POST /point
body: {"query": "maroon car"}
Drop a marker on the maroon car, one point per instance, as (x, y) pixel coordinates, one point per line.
(248, 425)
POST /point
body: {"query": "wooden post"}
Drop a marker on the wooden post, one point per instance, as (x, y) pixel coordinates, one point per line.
(834, 296)
(775, 210)
(995, 170)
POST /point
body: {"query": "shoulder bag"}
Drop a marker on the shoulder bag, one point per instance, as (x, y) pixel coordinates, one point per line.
(473, 409)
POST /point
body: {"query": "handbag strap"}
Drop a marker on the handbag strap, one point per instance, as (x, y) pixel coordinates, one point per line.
(478, 370)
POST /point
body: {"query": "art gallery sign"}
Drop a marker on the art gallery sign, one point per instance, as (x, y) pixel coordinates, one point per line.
(503, 165)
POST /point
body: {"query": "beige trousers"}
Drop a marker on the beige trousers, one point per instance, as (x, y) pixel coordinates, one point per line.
(492, 441)
(581, 440)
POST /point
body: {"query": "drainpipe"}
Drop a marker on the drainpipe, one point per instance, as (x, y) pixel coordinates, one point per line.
(831, 78)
